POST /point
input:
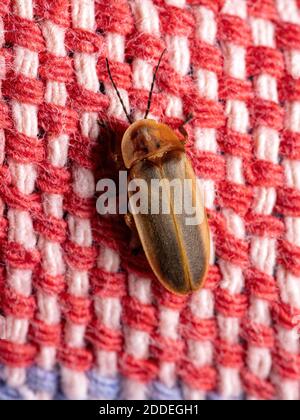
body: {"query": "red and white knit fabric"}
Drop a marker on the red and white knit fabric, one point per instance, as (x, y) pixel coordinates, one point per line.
(82, 318)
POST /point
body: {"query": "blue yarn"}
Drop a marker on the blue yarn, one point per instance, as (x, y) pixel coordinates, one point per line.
(103, 387)
(217, 397)
(162, 392)
(39, 379)
(60, 397)
(99, 387)
(8, 394)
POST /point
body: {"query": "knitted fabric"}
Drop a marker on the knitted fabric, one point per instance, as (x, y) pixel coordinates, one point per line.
(81, 317)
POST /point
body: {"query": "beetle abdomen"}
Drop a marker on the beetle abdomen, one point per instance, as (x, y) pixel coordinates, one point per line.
(176, 244)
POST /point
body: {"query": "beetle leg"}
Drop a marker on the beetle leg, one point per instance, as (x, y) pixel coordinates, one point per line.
(135, 243)
(116, 153)
(117, 159)
(182, 130)
(129, 221)
(102, 123)
(113, 145)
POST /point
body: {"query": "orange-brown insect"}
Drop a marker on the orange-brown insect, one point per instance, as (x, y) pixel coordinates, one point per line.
(178, 252)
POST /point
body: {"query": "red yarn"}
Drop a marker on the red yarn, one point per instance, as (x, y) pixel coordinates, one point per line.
(114, 16)
(17, 305)
(17, 355)
(57, 120)
(263, 9)
(75, 358)
(139, 99)
(23, 89)
(235, 144)
(232, 249)
(137, 265)
(2, 284)
(57, 11)
(261, 285)
(168, 299)
(83, 41)
(166, 349)
(86, 100)
(54, 180)
(3, 231)
(289, 256)
(24, 149)
(19, 257)
(258, 335)
(58, 69)
(287, 364)
(24, 32)
(286, 315)
(104, 338)
(139, 316)
(234, 306)
(142, 370)
(262, 173)
(145, 46)
(290, 89)
(288, 36)
(213, 278)
(203, 378)
(235, 30)
(206, 57)
(19, 201)
(106, 284)
(81, 207)
(121, 73)
(197, 329)
(176, 21)
(5, 120)
(169, 80)
(261, 225)
(214, 5)
(288, 202)
(45, 334)
(290, 145)
(76, 309)
(4, 7)
(209, 165)
(51, 285)
(229, 354)
(84, 152)
(236, 89)
(79, 257)
(51, 228)
(267, 113)
(206, 113)
(235, 196)
(265, 60)
(258, 387)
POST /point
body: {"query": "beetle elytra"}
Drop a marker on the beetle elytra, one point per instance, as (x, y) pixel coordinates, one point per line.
(178, 252)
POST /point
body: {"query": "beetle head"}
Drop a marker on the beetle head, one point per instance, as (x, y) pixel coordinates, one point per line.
(147, 138)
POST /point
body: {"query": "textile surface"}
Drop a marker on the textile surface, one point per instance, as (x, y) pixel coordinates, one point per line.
(80, 316)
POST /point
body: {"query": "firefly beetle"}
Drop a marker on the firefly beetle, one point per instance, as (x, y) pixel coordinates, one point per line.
(177, 252)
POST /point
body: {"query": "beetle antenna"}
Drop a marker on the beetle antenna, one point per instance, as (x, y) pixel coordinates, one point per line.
(153, 83)
(118, 93)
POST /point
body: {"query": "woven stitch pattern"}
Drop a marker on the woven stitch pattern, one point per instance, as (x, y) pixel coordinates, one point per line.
(84, 318)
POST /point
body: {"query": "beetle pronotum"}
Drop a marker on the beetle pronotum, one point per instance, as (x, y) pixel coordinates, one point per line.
(178, 253)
